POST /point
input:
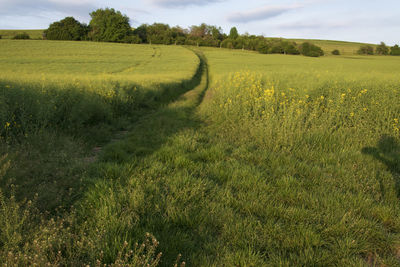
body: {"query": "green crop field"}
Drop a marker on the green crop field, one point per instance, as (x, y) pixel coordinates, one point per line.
(140, 155)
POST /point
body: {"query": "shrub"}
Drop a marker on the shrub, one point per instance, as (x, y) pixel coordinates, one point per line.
(336, 52)
(263, 48)
(21, 36)
(66, 29)
(132, 39)
(395, 50)
(366, 50)
(1, 36)
(382, 49)
(291, 49)
(311, 50)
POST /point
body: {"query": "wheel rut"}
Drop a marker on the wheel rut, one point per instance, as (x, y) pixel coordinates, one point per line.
(187, 103)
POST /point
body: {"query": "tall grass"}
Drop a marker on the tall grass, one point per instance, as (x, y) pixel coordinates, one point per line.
(324, 147)
(71, 92)
(285, 161)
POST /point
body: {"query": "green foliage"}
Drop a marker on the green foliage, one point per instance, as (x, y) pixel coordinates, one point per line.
(264, 48)
(311, 50)
(21, 36)
(366, 50)
(233, 33)
(336, 52)
(108, 25)
(290, 48)
(132, 39)
(382, 49)
(67, 29)
(395, 50)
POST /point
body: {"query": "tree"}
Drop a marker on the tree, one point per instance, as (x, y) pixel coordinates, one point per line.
(264, 48)
(233, 34)
(66, 29)
(395, 50)
(141, 31)
(159, 33)
(336, 52)
(382, 49)
(290, 48)
(108, 25)
(366, 50)
(311, 50)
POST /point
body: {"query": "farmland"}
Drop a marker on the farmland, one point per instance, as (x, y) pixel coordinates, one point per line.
(226, 157)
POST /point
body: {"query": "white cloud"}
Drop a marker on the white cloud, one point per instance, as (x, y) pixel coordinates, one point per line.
(183, 3)
(38, 7)
(263, 13)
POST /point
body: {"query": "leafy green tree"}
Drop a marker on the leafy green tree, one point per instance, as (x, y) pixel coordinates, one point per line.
(366, 50)
(108, 25)
(141, 31)
(382, 49)
(311, 50)
(233, 33)
(217, 33)
(395, 50)
(66, 29)
(264, 48)
(290, 48)
(336, 52)
(159, 33)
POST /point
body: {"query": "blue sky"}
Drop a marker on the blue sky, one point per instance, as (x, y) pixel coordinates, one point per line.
(351, 20)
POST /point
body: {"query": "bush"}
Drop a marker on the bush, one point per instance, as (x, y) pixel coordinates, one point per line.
(366, 50)
(311, 50)
(291, 49)
(66, 29)
(336, 52)
(21, 36)
(1, 36)
(382, 49)
(263, 48)
(132, 39)
(395, 50)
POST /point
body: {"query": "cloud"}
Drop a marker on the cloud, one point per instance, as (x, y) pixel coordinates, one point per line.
(263, 13)
(183, 3)
(39, 7)
(313, 25)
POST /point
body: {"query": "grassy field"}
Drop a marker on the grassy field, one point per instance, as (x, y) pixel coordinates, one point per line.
(269, 160)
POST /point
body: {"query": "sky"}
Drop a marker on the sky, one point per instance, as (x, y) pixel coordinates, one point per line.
(370, 21)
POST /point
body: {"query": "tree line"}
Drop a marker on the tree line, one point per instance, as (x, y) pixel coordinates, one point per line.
(109, 25)
(381, 49)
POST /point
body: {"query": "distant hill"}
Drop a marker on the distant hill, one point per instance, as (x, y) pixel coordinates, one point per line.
(345, 48)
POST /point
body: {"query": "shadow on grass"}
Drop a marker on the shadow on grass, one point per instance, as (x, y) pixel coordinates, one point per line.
(56, 128)
(124, 171)
(388, 152)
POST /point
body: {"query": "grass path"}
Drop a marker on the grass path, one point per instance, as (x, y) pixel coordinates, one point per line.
(124, 166)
